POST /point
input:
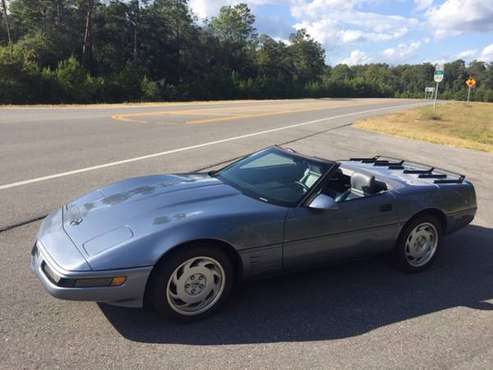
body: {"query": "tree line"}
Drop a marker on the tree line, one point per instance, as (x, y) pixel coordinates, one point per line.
(82, 51)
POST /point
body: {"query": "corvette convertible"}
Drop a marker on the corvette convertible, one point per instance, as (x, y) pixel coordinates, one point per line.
(181, 243)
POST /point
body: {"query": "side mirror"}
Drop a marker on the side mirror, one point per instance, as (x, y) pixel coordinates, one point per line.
(322, 202)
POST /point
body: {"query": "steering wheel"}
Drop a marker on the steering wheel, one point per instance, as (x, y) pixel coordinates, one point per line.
(305, 188)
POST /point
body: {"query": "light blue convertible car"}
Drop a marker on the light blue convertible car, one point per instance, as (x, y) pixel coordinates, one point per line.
(182, 243)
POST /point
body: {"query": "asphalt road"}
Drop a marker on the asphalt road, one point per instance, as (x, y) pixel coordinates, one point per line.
(361, 314)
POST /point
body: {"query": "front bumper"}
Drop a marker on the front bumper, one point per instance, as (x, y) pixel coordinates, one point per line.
(130, 294)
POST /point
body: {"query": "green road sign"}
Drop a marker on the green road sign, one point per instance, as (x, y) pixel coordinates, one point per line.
(439, 72)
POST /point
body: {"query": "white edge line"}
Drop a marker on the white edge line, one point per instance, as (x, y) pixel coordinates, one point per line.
(197, 146)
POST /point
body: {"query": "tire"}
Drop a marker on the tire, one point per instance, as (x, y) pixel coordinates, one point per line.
(191, 283)
(416, 252)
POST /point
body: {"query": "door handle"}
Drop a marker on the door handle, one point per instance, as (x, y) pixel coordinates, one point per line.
(386, 208)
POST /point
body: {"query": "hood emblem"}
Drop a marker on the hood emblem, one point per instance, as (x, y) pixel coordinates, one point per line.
(75, 221)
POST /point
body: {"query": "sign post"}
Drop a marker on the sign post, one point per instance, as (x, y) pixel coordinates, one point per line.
(438, 77)
(471, 84)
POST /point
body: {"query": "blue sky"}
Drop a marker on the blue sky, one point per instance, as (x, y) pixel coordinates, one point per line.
(365, 31)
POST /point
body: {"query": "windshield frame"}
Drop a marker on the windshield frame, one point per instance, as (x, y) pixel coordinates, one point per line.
(330, 166)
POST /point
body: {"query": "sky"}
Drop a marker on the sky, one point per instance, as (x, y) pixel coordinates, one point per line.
(367, 31)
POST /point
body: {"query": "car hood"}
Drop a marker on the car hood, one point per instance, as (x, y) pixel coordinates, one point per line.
(105, 216)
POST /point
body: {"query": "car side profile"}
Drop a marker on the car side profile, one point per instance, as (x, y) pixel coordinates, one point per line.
(183, 242)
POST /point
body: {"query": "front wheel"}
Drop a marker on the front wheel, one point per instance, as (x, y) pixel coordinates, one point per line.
(191, 283)
(418, 244)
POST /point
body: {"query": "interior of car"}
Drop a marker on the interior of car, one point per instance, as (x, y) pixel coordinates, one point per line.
(344, 186)
(285, 182)
(275, 176)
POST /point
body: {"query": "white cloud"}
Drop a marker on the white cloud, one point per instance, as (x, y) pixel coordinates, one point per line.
(487, 54)
(421, 5)
(283, 40)
(335, 22)
(402, 52)
(210, 8)
(484, 55)
(467, 54)
(356, 57)
(439, 61)
(206, 8)
(351, 36)
(316, 8)
(343, 26)
(455, 17)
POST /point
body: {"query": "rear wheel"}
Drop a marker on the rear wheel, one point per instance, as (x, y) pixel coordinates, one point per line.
(418, 243)
(191, 283)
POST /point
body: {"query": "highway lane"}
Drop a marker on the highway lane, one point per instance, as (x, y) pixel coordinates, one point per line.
(40, 142)
(363, 314)
(34, 142)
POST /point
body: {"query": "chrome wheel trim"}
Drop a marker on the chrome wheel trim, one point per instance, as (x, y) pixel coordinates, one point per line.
(421, 244)
(195, 286)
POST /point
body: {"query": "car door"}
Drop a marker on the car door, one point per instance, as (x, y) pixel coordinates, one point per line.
(356, 227)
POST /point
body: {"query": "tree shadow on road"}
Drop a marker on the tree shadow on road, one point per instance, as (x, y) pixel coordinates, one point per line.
(335, 302)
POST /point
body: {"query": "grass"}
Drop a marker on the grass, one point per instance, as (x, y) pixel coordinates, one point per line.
(454, 124)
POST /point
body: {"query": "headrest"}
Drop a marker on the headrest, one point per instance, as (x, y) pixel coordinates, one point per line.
(363, 183)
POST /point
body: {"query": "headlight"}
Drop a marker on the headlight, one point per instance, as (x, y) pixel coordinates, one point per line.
(52, 275)
(82, 283)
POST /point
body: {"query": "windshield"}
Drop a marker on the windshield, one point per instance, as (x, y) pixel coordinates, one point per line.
(275, 175)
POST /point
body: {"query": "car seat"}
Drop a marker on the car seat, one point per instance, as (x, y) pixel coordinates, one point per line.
(362, 185)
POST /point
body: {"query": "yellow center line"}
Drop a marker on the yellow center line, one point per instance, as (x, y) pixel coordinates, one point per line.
(127, 117)
(254, 115)
(224, 114)
(123, 117)
(205, 144)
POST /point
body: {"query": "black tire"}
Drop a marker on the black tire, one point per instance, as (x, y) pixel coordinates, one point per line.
(160, 278)
(399, 253)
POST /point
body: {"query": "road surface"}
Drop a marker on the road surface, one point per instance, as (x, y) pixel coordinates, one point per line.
(362, 314)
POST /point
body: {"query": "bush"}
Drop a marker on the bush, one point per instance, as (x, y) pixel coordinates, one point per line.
(76, 84)
(149, 90)
(20, 78)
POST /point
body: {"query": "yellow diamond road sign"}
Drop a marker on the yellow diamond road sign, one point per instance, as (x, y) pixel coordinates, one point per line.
(471, 82)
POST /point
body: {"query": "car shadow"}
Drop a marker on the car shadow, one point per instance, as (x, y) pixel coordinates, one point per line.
(334, 302)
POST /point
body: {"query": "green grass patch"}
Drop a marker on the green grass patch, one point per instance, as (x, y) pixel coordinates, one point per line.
(455, 124)
(429, 114)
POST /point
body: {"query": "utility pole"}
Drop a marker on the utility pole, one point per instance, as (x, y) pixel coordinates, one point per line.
(178, 40)
(87, 43)
(7, 25)
(134, 20)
